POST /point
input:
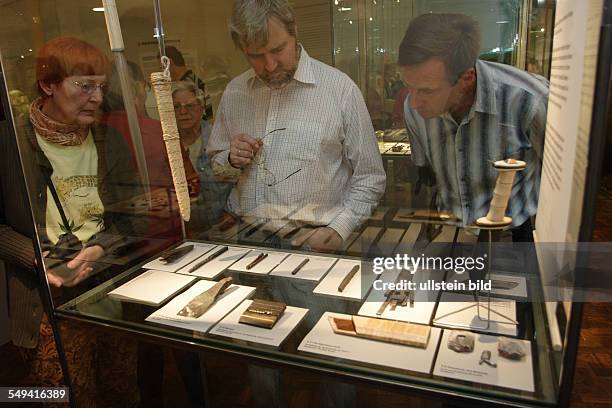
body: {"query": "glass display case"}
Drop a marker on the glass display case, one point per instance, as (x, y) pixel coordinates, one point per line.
(117, 259)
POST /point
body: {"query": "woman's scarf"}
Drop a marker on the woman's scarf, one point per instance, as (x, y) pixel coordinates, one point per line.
(53, 131)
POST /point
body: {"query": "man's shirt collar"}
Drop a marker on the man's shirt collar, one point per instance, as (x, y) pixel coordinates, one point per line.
(485, 101)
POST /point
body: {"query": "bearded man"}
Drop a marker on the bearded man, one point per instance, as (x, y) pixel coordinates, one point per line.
(294, 133)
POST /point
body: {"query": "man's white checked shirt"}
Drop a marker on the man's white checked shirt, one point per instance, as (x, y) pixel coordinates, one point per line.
(329, 138)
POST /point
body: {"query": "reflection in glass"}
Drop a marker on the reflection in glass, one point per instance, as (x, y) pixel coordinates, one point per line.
(367, 35)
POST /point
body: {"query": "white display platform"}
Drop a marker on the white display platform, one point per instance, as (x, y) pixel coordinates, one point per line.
(214, 268)
(231, 298)
(314, 270)
(152, 287)
(199, 249)
(322, 340)
(329, 285)
(424, 301)
(460, 311)
(264, 267)
(517, 375)
(230, 327)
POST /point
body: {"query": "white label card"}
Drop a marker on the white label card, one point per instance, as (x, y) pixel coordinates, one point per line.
(216, 266)
(168, 315)
(263, 267)
(419, 312)
(357, 286)
(151, 287)
(313, 270)
(515, 374)
(230, 327)
(198, 250)
(322, 340)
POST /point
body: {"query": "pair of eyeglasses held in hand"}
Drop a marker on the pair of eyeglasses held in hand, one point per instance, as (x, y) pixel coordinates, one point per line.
(260, 160)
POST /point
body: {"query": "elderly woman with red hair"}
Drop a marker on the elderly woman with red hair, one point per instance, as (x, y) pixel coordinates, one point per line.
(74, 169)
(81, 167)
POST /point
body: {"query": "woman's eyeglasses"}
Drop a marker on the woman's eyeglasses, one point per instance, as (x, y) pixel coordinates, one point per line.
(89, 87)
(191, 106)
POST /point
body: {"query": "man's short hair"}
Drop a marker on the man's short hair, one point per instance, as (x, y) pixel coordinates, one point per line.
(175, 55)
(453, 38)
(249, 22)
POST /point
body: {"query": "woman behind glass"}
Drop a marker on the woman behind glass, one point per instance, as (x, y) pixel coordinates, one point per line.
(75, 169)
(195, 131)
(80, 167)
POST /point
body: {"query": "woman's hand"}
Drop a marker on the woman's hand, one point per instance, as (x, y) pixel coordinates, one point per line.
(51, 277)
(81, 264)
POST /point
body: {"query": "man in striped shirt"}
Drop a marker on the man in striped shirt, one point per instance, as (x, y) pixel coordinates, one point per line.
(462, 114)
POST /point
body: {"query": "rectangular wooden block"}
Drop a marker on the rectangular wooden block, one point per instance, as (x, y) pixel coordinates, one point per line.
(389, 331)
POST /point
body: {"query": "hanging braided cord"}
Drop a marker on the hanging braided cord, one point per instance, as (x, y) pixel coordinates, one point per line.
(162, 87)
